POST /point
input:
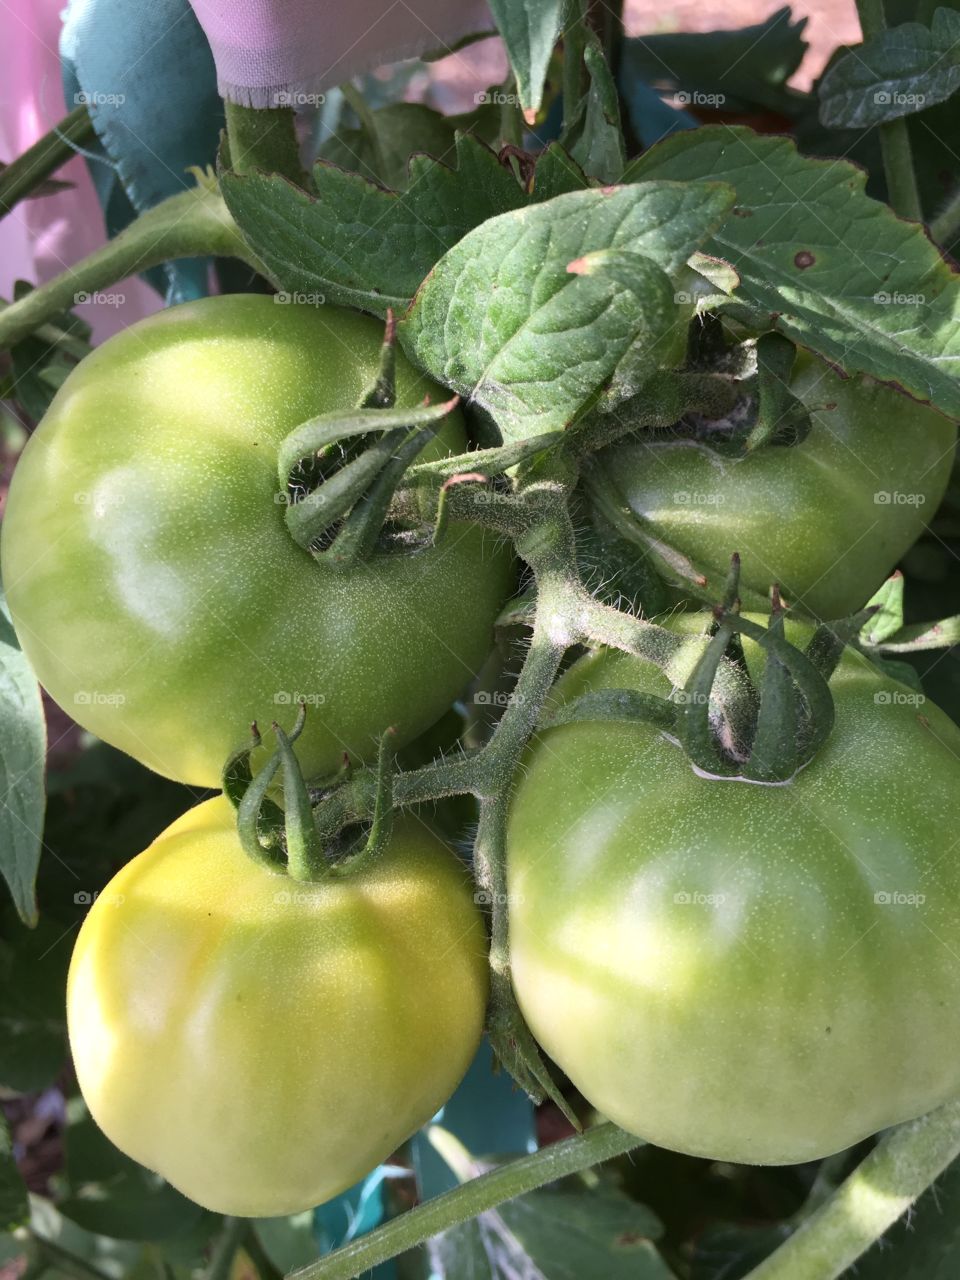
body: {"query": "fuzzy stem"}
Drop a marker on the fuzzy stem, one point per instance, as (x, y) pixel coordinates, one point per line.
(190, 224)
(894, 135)
(472, 1198)
(902, 1166)
(37, 163)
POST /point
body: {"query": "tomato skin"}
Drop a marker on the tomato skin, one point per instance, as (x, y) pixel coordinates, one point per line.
(706, 959)
(264, 1043)
(150, 574)
(805, 516)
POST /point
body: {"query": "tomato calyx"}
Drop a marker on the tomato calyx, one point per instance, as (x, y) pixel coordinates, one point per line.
(766, 732)
(288, 839)
(338, 472)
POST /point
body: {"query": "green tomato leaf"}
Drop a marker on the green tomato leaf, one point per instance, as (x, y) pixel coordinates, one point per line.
(834, 270)
(402, 129)
(355, 243)
(531, 314)
(14, 1204)
(595, 137)
(530, 29)
(556, 174)
(556, 1234)
(897, 73)
(23, 744)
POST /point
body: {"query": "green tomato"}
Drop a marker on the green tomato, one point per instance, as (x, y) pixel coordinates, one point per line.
(262, 1042)
(827, 519)
(150, 574)
(753, 973)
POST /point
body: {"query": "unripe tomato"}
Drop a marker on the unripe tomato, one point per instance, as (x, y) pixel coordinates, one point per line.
(827, 518)
(261, 1042)
(151, 577)
(753, 973)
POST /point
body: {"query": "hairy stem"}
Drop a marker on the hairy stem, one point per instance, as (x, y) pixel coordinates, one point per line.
(472, 1198)
(190, 224)
(886, 1184)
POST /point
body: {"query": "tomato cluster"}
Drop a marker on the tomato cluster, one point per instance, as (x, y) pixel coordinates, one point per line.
(746, 971)
(260, 1042)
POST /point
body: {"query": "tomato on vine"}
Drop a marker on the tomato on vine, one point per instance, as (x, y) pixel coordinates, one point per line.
(827, 518)
(264, 1042)
(151, 577)
(748, 972)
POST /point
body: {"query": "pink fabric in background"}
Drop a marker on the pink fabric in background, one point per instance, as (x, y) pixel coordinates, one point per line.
(267, 48)
(43, 236)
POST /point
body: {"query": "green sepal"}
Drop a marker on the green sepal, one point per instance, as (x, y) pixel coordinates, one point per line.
(831, 638)
(362, 526)
(774, 754)
(321, 508)
(255, 810)
(623, 705)
(305, 856)
(782, 418)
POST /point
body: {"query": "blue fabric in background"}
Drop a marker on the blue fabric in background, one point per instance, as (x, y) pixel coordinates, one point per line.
(146, 71)
(488, 1113)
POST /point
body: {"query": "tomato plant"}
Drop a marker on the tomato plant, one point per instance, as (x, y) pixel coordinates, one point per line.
(827, 518)
(630, 325)
(153, 582)
(718, 965)
(297, 1032)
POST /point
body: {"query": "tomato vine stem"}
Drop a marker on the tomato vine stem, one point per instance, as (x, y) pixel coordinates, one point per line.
(894, 135)
(470, 1199)
(900, 1168)
(190, 224)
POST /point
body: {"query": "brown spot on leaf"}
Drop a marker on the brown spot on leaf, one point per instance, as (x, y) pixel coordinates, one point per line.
(740, 212)
(804, 259)
(628, 1238)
